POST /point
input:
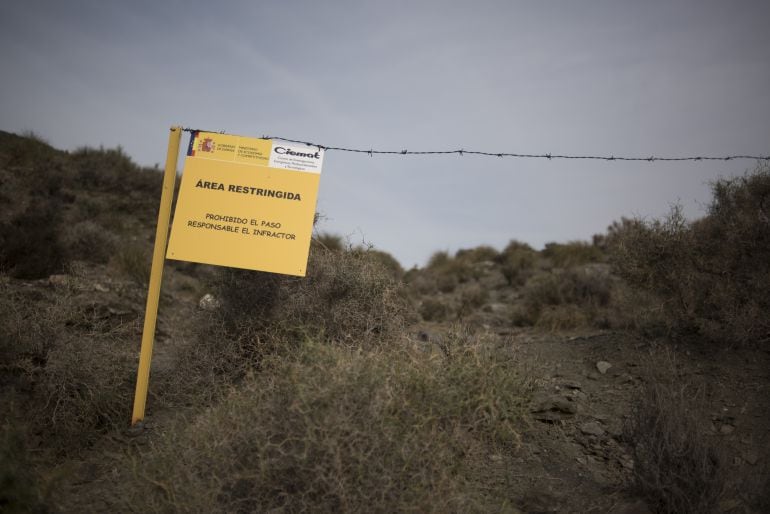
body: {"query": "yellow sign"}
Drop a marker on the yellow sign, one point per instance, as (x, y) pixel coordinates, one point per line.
(246, 203)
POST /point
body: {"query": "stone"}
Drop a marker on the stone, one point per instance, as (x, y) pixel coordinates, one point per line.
(637, 507)
(58, 280)
(603, 366)
(572, 384)
(208, 302)
(751, 457)
(592, 428)
(726, 429)
(551, 407)
(100, 288)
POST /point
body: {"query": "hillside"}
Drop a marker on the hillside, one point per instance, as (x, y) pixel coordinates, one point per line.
(628, 374)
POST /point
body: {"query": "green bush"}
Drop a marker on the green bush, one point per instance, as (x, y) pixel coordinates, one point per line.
(712, 275)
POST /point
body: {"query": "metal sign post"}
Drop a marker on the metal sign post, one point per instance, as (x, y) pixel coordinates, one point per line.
(156, 274)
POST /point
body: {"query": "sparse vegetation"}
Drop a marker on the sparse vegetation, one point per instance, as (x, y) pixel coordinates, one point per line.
(677, 466)
(712, 276)
(574, 253)
(565, 298)
(364, 388)
(336, 429)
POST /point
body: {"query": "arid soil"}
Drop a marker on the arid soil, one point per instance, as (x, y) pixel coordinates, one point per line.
(574, 456)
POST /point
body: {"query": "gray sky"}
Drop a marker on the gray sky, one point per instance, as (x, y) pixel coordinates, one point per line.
(592, 77)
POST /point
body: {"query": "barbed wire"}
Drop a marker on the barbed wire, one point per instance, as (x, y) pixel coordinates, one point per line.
(549, 156)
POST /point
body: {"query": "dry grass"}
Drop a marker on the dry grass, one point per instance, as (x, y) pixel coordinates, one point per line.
(677, 466)
(71, 377)
(132, 259)
(336, 429)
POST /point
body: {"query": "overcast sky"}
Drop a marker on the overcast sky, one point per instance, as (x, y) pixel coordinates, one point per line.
(610, 77)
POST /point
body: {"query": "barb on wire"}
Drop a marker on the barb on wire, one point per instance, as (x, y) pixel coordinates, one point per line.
(371, 152)
(548, 156)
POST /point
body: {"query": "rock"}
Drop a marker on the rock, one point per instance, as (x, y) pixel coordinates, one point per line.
(208, 302)
(58, 280)
(593, 376)
(552, 408)
(637, 507)
(603, 366)
(497, 308)
(729, 505)
(592, 428)
(122, 311)
(751, 457)
(100, 288)
(726, 429)
(615, 430)
(572, 384)
(135, 430)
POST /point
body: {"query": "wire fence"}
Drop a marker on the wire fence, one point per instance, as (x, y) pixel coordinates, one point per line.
(461, 152)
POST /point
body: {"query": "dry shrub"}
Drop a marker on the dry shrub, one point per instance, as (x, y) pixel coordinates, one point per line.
(329, 241)
(347, 298)
(340, 430)
(84, 390)
(88, 241)
(517, 261)
(387, 261)
(132, 258)
(565, 298)
(479, 254)
(562, 317)
(72, 383)
(438, 259)
(712, 275)
(472, 297)
(433, 309)
(449, 271)
(111, 170)
(677, 467)
(29, 243)
(574, 253)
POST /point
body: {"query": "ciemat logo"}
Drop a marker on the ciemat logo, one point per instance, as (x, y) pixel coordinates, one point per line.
(207, 145)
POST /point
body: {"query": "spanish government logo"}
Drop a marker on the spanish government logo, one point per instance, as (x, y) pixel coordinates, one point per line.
(207, 145)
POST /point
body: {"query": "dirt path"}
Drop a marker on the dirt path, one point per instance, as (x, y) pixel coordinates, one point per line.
(574, 457)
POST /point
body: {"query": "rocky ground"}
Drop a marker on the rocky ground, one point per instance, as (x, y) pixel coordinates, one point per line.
(574, 456)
